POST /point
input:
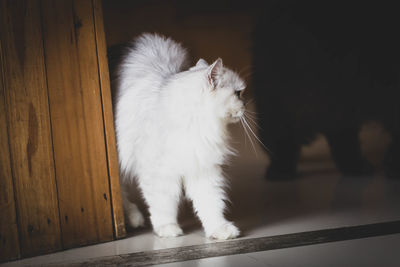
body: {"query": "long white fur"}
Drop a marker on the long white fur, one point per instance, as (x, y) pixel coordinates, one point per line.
(171, 126)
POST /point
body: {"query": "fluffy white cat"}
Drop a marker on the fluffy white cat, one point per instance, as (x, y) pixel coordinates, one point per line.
(171, 125)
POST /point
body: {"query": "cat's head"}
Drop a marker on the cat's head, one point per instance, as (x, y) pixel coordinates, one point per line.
(225, 88)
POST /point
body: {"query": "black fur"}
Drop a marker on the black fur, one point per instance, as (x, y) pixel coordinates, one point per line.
(327, 67)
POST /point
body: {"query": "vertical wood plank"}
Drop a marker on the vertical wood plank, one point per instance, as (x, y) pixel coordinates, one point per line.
(29, 127)
(9, 244)
(113, 166)
(77, 122)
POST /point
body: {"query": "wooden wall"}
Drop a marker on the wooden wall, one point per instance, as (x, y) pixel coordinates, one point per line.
(59, 180)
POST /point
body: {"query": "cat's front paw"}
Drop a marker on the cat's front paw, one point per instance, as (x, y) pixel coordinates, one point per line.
(225, 231)
(168, 230)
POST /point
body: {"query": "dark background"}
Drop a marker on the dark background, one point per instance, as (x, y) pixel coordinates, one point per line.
(321, 67)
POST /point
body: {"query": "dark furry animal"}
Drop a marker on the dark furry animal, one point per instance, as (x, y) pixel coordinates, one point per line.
(327, 67)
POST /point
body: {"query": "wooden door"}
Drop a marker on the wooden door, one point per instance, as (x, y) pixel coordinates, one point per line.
(58, 166)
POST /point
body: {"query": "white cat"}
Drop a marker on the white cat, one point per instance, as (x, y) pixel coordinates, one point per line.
(171, 126)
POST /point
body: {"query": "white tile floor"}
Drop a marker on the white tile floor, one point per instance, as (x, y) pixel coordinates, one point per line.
(319, 199)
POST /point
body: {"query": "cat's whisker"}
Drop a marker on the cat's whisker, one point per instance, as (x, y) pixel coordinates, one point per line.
(246, 68)
(255, 136)
(252, 112)
(245, 142)
(252, 120)
(246, 75)
(248, 135)
(246, 72)
(249, 102)
(241, 122)
(253, 116)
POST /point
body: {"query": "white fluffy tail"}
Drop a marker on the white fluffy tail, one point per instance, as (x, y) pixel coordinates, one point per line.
(155, 54)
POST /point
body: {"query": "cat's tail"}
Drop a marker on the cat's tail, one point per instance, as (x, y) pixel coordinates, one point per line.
(156, 54)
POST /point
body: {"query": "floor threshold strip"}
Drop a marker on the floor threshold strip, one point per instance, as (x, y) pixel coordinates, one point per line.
(241, 246)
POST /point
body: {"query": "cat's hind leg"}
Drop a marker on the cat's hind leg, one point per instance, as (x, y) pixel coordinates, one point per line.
(162, 194)
(346, 152)
(391, 161)
(133, 215)
(208, 196)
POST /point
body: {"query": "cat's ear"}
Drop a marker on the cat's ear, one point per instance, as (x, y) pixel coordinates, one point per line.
(201, 63)
(213, 71)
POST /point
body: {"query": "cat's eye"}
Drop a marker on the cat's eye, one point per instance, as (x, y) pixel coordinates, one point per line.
(238, 93)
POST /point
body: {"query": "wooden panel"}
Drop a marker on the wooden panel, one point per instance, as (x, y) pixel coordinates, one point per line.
(29, 127)
(77, 122)
(9, 244)
(113, 167)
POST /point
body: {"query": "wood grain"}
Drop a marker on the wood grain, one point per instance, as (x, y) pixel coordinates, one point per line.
(9, 244)
(77, 122)
(29, 127)
(113, 167)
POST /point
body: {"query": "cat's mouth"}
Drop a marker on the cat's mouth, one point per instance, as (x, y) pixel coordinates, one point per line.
(236, 116)
(234, 119)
